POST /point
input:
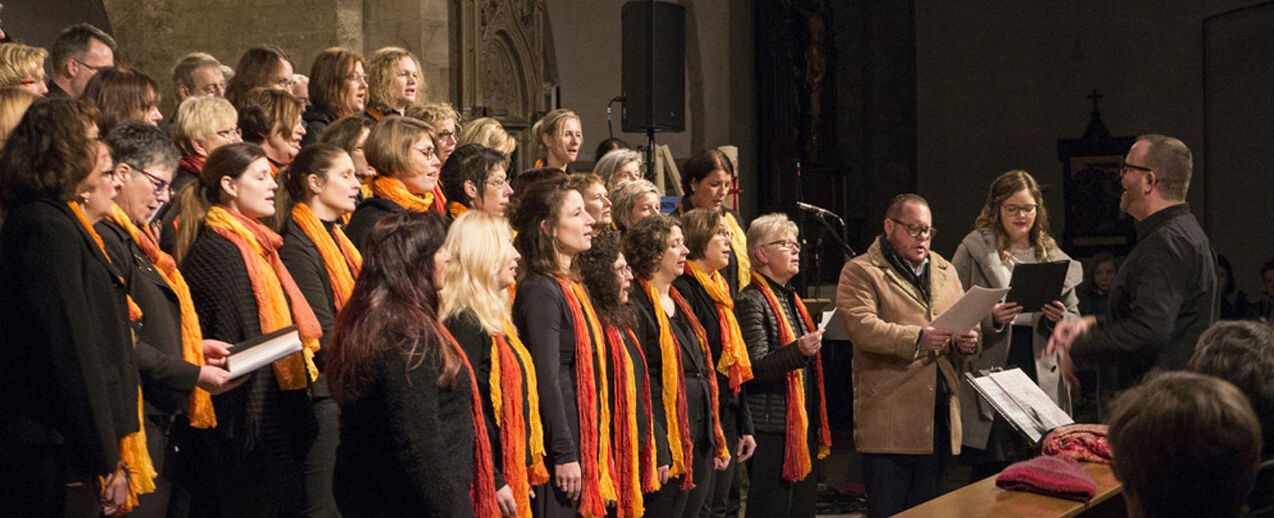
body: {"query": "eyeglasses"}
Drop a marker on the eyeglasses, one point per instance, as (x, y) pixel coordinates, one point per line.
(161, 186)
(790, 246)
(446, 135)
(94, 68)
(624, 270)
(356, 77)
(427, 151)
(214, 88)
(232, 131)
(1018, 209)
(916, 231)
(724, 232)
(498, 183)
(1126, 166)
(282, 83)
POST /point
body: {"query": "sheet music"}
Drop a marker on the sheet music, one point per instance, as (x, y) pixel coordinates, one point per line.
(1021, 402)
(967, 313)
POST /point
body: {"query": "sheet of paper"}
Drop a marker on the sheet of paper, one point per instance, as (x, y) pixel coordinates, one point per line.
(259, 355)
(967, 313)
(1022, 403)
(827, 318)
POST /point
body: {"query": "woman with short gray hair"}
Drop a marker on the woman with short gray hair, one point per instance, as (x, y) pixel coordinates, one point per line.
(618, 167)
(633, 201)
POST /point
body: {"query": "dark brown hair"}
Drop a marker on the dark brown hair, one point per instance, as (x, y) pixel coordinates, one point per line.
(702, 165)
(255, 70)
(646, 242)
(315, 159)
(49, 152)
(75, 40)
(394, 307)
(1003, 188)
(266, 111)
(120, 93)
(535, 213)
(470, 162)
(196, 198)
(597, 270)
(344, 132)
(327, 77)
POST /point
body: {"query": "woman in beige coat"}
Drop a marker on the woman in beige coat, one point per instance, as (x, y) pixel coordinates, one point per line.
(1012, 229)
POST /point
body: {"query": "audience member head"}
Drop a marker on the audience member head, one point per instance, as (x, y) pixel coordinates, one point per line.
(605, 272)
(656, 249)
(78, 53)
(23, 67)
(322, 177)
(266, 66)
(338, 83)
(393, 80)
(204, 123)
(490, 133)
(608, 145)
(350, 133)
(1156, 173)
(1101, 271)
(236, 176)
(476, 177)
(706, 179)
(145, 161)
(1242, 352)
(1014, 212)
(49, 153)
(552, 227)
(559, 136)
(404, 148)
(444, 119)
(632, 202)
(1184, 444)
(618, 167)
(300, 89)
(595, 201)
(13, 104)
(909, 227)
(394, 306)
(708, 238)
(1267, 277)
(123, 93)
(483, 264)
(198, 74)
(272, 119)
(774, 247)
(1224, 275)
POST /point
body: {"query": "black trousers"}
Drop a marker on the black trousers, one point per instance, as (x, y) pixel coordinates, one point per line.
(898, 482)
(320, 461)
(672, 501)
(159, 446)
(768, 494)
(723, 500)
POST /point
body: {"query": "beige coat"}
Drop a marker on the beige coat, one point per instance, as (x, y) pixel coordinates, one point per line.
(893, 384)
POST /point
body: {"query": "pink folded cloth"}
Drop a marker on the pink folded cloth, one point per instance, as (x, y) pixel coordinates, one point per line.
(1086, 442)
(1057, 476)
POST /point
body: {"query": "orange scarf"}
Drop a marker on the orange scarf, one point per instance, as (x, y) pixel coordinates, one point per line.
(132, 447)
(201, 413)
(375, 114)
(482, 487)
(796, 457)
(594, 430)
(674, 393)
(734, 362)
(455, 209)
(395, 190)
(723, 449)
(279, 302)
(738, 243)
(342, 260)
(636, 469)
(509, 360)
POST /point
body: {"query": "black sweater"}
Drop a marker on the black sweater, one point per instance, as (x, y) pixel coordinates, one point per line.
(369, 211)
(301, 257)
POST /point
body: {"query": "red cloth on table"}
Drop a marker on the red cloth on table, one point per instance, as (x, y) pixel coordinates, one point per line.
(1086, 442)
(1057, 476)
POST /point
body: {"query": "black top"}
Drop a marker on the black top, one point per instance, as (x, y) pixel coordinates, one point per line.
(257, 412)
(316, 120)
(735, 418)
(406, 445)
(639, 386)
(1165, 295)
(369, 211)
(303, 260)
(168, 213)
(67, 372)
(166, 377)
(772, 359)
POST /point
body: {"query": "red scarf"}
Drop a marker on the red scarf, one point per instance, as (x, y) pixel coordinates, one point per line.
(594, 431)
(192, 163)
(635, 469)
(723, 449)
(482, 487)
(796, 457)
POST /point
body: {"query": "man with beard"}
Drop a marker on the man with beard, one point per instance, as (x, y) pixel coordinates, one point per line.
(906, 407)
(1165, 295)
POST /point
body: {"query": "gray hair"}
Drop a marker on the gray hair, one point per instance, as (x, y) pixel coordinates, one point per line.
(763, 229)
(625, 197)
(613, 161)
(1172, 162)
(141, 145)
(184, 70)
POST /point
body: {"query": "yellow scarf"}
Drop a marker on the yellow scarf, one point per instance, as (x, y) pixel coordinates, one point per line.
(340, 258)
(395, 190)
(734, 362)
(739, 246)
(509, 382)
(603, 430)
(673, 393)
(279, 301)
(132, 448)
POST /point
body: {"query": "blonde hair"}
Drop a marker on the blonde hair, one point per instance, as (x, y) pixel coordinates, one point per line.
(381, 70)
(551, 124)
(197, 119)
(13, 105)
(18, 62)
(489, 133)
(480, 245)
(434, 114)
(764, 228)
(388, 145)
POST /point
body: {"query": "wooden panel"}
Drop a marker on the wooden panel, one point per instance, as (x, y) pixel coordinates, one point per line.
(983, 499)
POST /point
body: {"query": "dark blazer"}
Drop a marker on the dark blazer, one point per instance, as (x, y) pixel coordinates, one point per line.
(166, 377)
(735, 418)
(316, 120)
(406, 444)
(544, 322)
(67, 370)
(367, 214)
(772, 359)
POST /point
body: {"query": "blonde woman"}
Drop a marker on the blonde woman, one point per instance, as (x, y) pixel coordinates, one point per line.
(476, 309)
(202, 124)
(445, 119)
(490, 133)
(13, 104)
(23, 66)
(393, 82)
(633, 201)
(560, 138)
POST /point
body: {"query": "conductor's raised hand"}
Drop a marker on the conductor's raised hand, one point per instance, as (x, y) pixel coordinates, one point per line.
(811, 342)
(1065, 334)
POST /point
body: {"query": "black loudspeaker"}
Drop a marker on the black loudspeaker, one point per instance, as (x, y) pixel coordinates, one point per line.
(654, 49)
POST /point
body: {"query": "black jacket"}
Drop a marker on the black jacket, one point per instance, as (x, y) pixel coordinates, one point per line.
(303, 260)
(67, 371)
(166, 377)
(169, 212)
(369, 211)
(735, 418)
(772, 359)
(316, 120)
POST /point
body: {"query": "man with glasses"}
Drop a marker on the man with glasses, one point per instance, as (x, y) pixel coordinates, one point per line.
(197, 74)
(906, 409)
(79, 53)
(1166, 293)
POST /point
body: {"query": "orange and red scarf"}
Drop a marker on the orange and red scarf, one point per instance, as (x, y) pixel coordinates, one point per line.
(796, 457)
(132, 448)
(395, 190)
(512, 375)
(594, 415)
(635, 467)
(280, 302)
(342, 261)
(738, 242)
(735, 363)
(482, 487)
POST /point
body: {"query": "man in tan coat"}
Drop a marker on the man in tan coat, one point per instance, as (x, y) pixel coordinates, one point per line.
(906, 409)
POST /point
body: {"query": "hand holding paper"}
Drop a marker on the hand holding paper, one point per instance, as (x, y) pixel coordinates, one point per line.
(967, 313)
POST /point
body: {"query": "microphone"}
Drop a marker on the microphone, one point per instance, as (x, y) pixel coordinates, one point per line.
(816, 210)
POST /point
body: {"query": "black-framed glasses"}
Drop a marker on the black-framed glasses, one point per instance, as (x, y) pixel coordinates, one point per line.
(1123, 168)
(916, 231)
(444, 135)
(1019, 209)
(161, 185)
(94, 68)
(786, 245)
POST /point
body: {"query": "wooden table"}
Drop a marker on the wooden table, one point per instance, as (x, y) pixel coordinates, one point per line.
(984, 499)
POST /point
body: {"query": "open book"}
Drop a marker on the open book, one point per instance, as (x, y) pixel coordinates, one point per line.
(263, 350)
(1022, 403)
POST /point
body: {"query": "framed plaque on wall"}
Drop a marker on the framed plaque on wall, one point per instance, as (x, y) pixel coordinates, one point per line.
(1091, 189)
